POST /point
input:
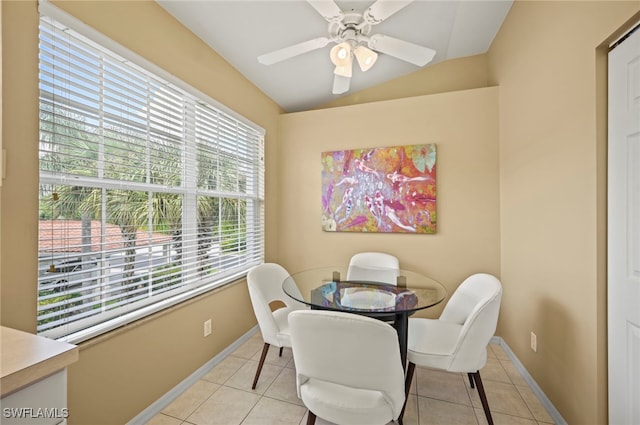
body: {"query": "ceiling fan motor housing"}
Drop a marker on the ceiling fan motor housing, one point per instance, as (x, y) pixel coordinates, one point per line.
(352, 27)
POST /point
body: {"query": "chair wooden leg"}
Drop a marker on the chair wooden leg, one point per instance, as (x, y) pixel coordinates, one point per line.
(471, 380)
(311, 418)
(411, 367)
(281, 351)
(483, 396)
(265, 349)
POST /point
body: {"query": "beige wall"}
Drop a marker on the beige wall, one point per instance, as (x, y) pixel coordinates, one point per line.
(464, 127)
(549, 61)
(124, 372)
(119, 375)
(547, 64)
(522, 196)
(20, 188)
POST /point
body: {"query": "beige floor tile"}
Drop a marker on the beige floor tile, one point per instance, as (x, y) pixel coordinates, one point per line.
(227, 406)
(188, 401)
(493, 371)
(274, 412)
(502, 398)
(535, 405)
(490, 352)
(291, 364)
(499, 352)
(411, 411)
(442, 385)
(225, 369)
(437, 412)
(224, 395)
(513, 373)
(161, 419)
(320, 421)
(243, 378)
(501, 419)
(284, 387)
(412, 389)
(249, 349)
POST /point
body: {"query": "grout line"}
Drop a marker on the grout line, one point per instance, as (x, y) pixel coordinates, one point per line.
(528, 405)
(515, 386)
(551, 409)
(156, 407)
(201, 403)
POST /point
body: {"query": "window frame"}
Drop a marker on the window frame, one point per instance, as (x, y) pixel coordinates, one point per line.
(81, 332)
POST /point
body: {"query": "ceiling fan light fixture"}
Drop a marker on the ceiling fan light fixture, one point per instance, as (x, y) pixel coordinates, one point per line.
(341, 54)
(343, 71)
(365, 57)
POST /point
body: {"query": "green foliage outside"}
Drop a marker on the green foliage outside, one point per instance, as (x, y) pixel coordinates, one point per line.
(232, 239)
(70, 146)
(62, 307)
(74, 148)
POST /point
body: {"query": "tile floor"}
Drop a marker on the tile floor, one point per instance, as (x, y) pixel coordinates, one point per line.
(224, 396)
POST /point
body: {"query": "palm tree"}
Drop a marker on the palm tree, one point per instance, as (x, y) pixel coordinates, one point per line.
(126, 158)
(72, 148)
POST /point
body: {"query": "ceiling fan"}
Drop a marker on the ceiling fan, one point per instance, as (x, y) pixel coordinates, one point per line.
(351, 33)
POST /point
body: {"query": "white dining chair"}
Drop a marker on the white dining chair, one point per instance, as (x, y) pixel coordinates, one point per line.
(375, 267)
(457, 341)
(265, 287)
(348, 368)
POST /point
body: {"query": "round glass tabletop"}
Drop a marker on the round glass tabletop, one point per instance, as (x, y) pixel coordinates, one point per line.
(371, 291)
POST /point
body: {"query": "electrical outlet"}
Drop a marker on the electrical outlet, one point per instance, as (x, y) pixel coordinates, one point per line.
(207, 327)
(534, 342)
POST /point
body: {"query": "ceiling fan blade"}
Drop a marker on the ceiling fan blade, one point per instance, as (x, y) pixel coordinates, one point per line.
(382, 9)
(340, 84)
(328, 9)
(294, 50)
(407, 51)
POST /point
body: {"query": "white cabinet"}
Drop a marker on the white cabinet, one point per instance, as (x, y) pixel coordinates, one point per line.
(43, 402)
(34, 378)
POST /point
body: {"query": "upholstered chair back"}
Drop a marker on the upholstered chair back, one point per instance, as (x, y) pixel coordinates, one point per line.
(475, 306)
(349, 353)
(375, 267)
(265, 287)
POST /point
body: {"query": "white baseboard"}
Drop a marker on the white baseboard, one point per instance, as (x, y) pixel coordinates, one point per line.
(157, 406)
(553, 412)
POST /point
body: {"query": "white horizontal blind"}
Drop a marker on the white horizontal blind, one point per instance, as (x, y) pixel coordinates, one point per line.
(148, 194)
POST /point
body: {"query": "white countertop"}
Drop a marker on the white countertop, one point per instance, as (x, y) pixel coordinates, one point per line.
(26, 358)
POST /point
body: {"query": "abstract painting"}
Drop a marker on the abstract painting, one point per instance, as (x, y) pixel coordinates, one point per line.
(383, 190)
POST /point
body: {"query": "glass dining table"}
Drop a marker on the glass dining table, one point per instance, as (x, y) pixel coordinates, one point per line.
(384, 294)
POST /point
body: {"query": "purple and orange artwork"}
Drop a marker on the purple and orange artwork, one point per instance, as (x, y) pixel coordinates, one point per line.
(383, 190)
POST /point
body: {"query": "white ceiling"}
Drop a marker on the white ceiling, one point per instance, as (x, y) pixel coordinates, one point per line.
(241, 30)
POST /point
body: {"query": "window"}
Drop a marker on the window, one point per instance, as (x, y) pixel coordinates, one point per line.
(150, 193)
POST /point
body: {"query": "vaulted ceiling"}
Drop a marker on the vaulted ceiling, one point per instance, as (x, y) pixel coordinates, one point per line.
(241, 30)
